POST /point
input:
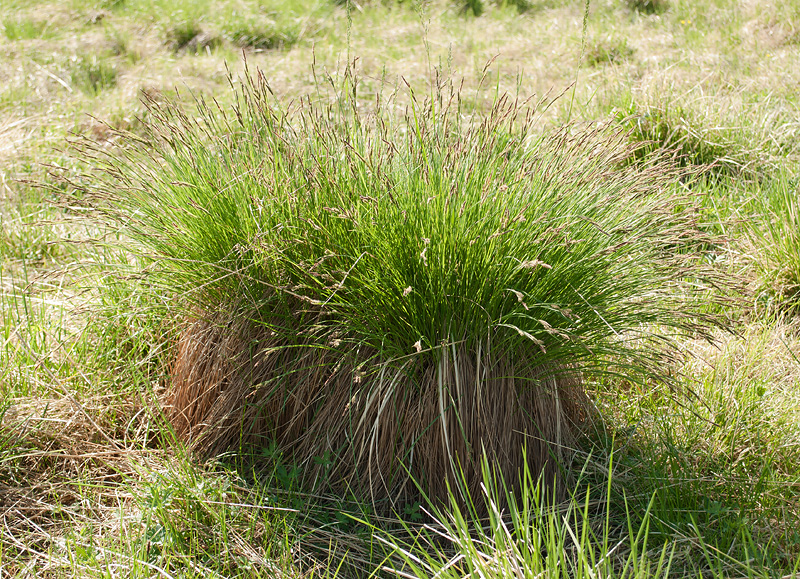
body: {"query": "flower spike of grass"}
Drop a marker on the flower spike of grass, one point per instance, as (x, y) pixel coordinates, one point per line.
(377, 285)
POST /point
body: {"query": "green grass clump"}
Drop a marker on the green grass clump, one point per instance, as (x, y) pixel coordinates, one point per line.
(395, 261)
(30, 232)
(182, 33)
(191, 521)
(474, 6)
(608, 51)
(477, 7)
(648, 6)
(775, 234)
(265, 204)
(24, 29)
(191, 35)
(264, 34)
(675, 131)
(595, 533)
(531, 538)
(93, 74)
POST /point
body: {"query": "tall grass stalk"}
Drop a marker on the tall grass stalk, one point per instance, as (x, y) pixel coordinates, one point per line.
(402, 288)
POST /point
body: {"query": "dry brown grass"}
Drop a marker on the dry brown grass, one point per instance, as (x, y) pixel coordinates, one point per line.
(237, 385)
(62, 476)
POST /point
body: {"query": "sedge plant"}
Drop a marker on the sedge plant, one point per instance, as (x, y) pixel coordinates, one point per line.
(402, 287)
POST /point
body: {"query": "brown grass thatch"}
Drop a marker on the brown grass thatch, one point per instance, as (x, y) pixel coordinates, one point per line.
(235, 384)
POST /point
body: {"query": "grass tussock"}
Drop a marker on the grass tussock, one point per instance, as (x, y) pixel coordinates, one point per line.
(403, 293)
(88, 353)
(265, 34)
(608, 51)
(648, 7)
(478, 7)
(667, 129)
(94, 74)
(775, 243)
(23, 28)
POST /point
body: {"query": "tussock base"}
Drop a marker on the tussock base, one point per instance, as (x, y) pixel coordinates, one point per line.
(426, 418)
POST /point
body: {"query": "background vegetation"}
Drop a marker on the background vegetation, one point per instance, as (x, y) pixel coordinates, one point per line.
(93, 482)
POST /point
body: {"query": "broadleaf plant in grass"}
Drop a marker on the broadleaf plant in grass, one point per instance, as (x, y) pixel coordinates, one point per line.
(403, 292)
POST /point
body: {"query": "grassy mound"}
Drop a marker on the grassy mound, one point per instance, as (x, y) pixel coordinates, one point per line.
(391, 294)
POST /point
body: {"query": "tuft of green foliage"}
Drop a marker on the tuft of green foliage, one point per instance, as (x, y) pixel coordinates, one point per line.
(93, 74)
(607, 51)
(719, 474)
(24, 29)
(648, 6)
(451, 232)
(197, 25)
(190, 521)
(182, 33)
(264, 34)
(674, 131)
(597, 532)
(775, 233)
(520, 5)
(403, 248)
(477, 7)
(474, 6)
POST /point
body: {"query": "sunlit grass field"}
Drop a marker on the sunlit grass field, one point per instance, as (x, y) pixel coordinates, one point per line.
(606, 193)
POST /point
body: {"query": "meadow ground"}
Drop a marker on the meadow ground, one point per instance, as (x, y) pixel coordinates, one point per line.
(698, 480)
